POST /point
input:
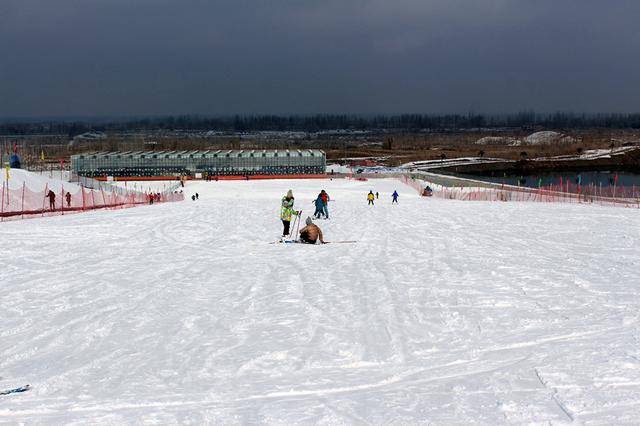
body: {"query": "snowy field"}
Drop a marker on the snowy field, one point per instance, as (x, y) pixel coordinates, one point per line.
(443, 312)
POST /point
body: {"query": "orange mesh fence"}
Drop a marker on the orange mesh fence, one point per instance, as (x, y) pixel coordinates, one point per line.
(469, 190)
(24, 202)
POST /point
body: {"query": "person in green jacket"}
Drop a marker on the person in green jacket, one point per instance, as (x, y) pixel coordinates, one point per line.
(286, 212)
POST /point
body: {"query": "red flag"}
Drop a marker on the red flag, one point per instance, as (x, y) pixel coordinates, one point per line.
(615, 178)
(15, 148)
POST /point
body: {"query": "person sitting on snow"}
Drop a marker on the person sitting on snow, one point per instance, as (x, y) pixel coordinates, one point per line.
(311, 233)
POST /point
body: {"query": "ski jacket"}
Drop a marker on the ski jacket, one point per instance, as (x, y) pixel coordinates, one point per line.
(370, 196)
(325, 198)
(394, 195)
(287, 209)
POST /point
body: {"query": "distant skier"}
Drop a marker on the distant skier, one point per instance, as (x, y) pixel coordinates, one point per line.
(52, 200)
(325, 203)
(68, 197)
(319, 207)
(376, 195)
(370, 198)
(311, 233)
(197, 196)
(286, 212)
(394, 197)
(193, 197)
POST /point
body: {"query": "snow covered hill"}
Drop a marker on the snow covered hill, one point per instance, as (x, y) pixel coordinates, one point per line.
(37, 181)
(443, 312)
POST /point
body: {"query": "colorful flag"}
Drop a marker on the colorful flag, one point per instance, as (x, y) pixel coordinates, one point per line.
(42, 155)
(6, 169)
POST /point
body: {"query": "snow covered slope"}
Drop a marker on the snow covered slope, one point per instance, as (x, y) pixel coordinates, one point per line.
(444, 312)
(37, 181)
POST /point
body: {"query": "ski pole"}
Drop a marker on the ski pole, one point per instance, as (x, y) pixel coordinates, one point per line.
(299, 215)
(295, 219)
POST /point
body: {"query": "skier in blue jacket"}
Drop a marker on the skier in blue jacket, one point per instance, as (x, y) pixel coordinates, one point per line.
(319, 203)
(395, 197)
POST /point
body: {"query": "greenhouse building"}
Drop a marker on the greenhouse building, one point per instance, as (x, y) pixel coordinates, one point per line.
(199, 164)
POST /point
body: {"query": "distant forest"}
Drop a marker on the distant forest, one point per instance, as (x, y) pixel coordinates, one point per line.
(315, 123)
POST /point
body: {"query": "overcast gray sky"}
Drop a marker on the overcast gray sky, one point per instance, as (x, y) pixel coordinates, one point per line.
(149, 57)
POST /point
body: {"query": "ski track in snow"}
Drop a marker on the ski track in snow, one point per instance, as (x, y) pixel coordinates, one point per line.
(442, 312)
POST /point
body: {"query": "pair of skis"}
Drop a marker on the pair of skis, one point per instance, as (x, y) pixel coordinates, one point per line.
(300, 242)
(15, 390)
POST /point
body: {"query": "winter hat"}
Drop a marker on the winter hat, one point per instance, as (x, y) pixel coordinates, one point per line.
(290, 194)
(308, 221)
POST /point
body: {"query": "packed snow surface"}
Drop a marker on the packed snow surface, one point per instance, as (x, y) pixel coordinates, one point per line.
(443, 312)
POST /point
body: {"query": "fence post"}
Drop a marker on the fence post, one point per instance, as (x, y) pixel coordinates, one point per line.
(24, 184)
(2, 206)
(46, 187)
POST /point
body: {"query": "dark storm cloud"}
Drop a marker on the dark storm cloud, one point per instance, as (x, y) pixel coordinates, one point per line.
(119, 57)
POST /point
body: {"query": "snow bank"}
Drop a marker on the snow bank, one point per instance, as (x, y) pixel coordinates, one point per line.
(498, 140)
(338, 168)
(449, 162)
(548, 138)
(443, 312)
(37, 181)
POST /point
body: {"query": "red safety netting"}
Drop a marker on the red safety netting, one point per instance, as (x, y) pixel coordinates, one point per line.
(569, 193)
(24, 202)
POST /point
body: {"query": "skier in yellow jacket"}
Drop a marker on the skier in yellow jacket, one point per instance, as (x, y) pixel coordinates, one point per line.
(287, 211)
(370, 197)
